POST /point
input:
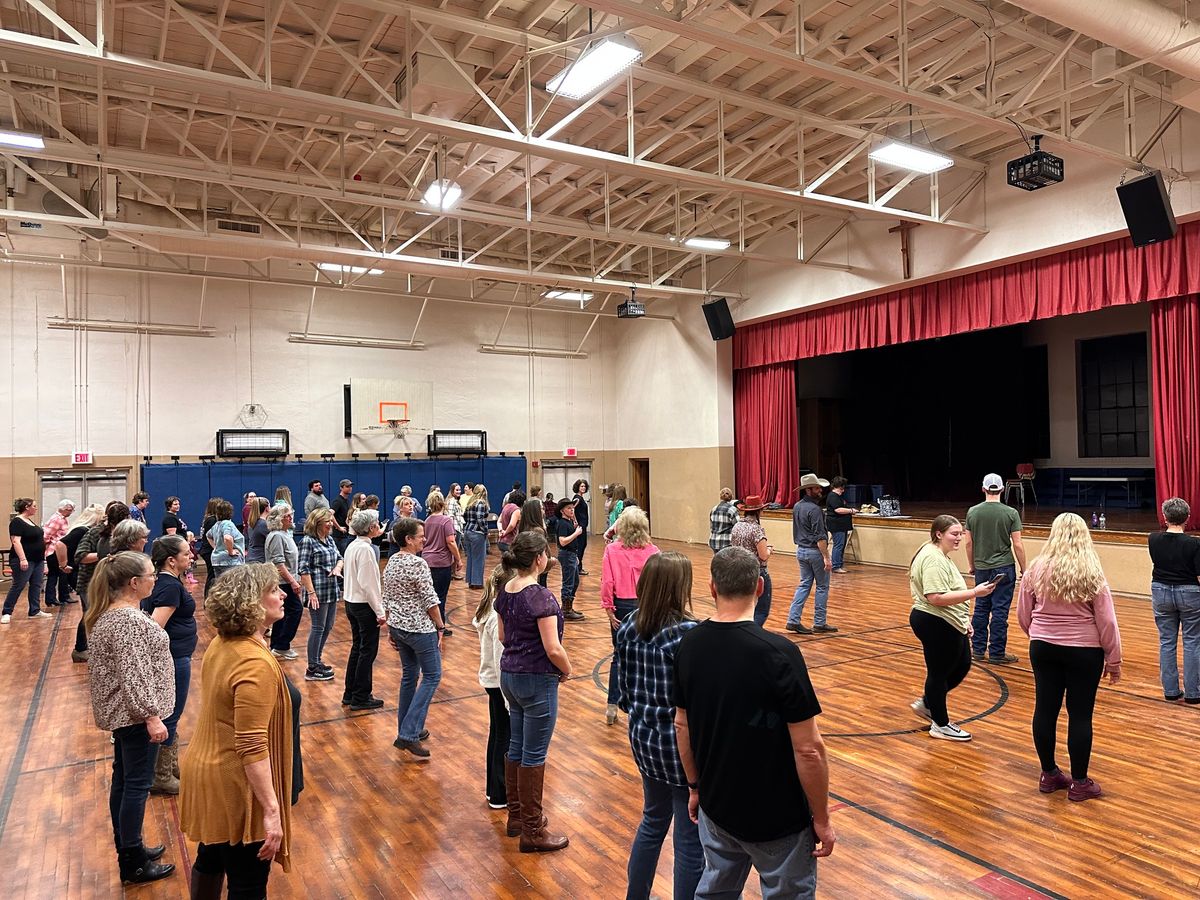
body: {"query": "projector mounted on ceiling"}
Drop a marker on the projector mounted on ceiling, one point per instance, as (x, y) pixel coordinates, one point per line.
(1037, 170)
(631, 308)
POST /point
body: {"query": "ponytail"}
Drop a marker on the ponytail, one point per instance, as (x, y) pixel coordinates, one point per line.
(495, 582)
(523, 552)
(111, 577)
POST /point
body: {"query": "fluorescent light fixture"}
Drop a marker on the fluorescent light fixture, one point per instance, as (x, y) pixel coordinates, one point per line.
(906, 156)
(348, 270)
(121, 327)
(581, 296)
(349, 340)
(706, 243)
(549, 352)
(600, 63)
(443, 194)
(22, 140)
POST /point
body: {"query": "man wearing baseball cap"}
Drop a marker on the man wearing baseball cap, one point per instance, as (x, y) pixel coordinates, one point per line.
(340, 507)
(812, 553)
(992, 539)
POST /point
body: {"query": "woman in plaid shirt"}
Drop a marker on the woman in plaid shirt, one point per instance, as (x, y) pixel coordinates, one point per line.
(320, 571)
(646, 646)
(475, 529)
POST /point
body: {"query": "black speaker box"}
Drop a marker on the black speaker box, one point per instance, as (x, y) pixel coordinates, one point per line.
(1147, 209)
(720, 321)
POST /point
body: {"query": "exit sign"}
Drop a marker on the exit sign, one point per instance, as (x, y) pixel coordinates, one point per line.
(571, 453)
(81, 458)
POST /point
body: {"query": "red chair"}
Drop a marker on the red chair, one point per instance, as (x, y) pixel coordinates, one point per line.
(1025, 475)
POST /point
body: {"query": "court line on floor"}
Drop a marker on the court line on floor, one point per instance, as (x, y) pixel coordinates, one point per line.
(949, 848)
(35, 703)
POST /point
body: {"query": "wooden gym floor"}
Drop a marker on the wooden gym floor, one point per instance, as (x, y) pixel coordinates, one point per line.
(915, 817)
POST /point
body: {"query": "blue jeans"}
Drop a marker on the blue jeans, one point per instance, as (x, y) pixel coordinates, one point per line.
(476, 543)
(322, 619)
(421, 661)
(33, 577)
(786, 867)
(838, 550)
(132, 774)
(762, 609)
(569, 563)
(661, 804)
(812, 569)
(532, 713)
(993, 608)
(1176, 606)
(183, 682)
(624, 609)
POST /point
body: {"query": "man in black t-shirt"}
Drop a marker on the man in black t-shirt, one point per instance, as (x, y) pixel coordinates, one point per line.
(340, 507)
(745, 719)
(569, 536)
(839, 519)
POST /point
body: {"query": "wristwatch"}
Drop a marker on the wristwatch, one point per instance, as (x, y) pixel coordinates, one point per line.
(693, 785)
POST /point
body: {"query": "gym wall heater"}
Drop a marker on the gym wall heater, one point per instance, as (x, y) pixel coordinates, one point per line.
(448, 443)
(239, 442)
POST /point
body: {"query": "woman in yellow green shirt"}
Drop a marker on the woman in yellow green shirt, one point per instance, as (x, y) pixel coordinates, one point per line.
(941, 620)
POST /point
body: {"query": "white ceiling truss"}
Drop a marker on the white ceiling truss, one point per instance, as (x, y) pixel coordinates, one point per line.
(323, 121)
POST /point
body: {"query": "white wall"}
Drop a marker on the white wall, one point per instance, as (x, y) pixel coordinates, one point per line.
(645, 384)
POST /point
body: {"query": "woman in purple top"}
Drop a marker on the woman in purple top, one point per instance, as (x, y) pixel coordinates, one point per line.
(441, 550)
(533, 664)
(1066, 609)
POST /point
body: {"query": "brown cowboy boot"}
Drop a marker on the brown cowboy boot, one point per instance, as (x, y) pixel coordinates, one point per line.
(534, 837)
(514, 797)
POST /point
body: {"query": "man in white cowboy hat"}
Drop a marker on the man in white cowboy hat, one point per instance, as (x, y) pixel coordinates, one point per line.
(812, 553)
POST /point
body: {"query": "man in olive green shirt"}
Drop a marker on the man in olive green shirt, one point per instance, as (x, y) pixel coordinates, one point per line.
(993, 545)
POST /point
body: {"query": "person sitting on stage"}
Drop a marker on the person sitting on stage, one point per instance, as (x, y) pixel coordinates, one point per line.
(939, 619)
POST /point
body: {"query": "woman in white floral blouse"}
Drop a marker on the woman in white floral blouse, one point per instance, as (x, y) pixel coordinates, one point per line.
(415, 625)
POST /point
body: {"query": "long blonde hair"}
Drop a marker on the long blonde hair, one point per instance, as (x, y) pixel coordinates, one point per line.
(495, 583)
(478, 495)
(1068, 568)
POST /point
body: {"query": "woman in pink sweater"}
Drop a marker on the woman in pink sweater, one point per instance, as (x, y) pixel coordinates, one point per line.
(620, 569)
(1066, 609)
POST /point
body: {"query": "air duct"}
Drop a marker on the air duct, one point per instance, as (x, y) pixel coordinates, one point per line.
(1141, 28)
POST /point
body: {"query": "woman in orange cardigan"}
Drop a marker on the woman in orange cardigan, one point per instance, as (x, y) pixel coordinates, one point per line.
(241, 773)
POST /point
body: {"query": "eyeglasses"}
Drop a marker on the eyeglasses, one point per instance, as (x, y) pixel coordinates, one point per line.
(146, 575)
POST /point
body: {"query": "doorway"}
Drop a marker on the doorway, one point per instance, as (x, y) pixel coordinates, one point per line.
(82, 489)
(557, 479)
(639, 483)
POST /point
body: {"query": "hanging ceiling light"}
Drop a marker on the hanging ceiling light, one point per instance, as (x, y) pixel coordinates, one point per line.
(443, 194)
(706, 243)
(21, 139)
(600, 63)
(906, 156)
(347, 270)
(556, 294)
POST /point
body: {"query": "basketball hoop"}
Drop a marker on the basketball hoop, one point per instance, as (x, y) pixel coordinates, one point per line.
(399, 427)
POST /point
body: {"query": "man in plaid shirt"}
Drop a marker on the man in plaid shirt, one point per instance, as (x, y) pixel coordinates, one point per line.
(721, 521)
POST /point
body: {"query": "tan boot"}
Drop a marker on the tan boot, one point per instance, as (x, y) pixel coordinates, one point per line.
(534, 837)
(175, 758)
(164, 781)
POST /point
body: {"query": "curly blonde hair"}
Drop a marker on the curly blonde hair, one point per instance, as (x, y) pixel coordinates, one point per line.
(234, 605)
(1068, 568)
(632, 527)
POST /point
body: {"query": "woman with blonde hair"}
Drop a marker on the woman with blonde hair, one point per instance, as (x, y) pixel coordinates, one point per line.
(132, 684)
(283, 495)
(475, 529)
(281, 552)
(940, 618)
(487, 626)
(441, 551)
(646, 645)
(1066, 609)
(320, 569)
(620, 570)
(242, 772)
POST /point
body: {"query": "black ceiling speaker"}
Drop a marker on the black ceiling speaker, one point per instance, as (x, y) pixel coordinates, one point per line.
(720, 320)
(1147, 209)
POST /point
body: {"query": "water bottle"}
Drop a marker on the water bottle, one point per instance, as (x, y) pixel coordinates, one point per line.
(1095, 520)
(1103, 522)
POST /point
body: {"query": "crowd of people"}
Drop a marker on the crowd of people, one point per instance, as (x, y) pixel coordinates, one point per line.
(700, 697)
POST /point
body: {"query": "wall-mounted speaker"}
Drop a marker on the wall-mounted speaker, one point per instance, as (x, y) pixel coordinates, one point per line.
(1147, 209)
(720, 320)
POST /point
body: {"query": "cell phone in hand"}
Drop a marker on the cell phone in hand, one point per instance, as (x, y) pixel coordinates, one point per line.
(999, 579)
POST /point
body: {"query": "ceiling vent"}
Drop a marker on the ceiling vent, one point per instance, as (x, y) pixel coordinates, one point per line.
(239, 226)
(437, 89)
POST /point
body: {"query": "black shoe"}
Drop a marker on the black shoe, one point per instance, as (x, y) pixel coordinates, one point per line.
(373, 703)
(572, 615)
(824, 629)
(153, 853)
(584, 572)
(424, 735)
(325, 668)
(138, 868)
(315, 674)
(346, 701)
(447, 632)
(798, 628)
(413, 747)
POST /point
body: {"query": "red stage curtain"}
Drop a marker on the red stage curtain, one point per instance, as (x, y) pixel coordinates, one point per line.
(1175, 347)
(1113, 273)
(764, 403)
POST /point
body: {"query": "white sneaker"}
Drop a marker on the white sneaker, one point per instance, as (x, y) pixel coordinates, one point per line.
(5, 619)
(918, 706)
(42, 615)
(948, 732)
(284, 654)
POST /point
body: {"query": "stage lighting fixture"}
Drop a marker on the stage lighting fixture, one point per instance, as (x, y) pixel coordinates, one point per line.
(600, 63)
(1037, 170)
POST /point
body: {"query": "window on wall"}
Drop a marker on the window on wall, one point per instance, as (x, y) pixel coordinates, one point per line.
(1114, 396)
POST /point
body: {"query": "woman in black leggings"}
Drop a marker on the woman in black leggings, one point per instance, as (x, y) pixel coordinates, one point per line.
(941, 620)
(1066, 609)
